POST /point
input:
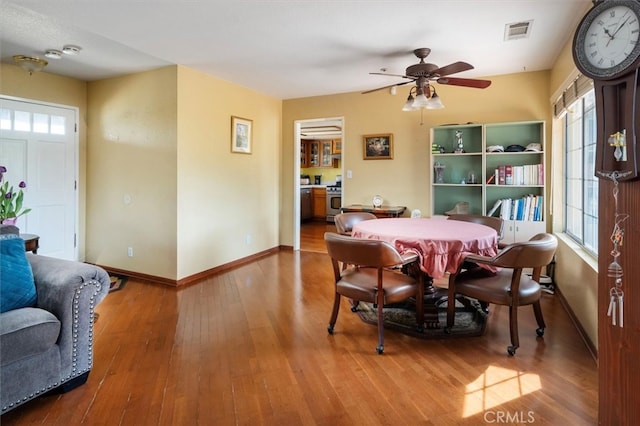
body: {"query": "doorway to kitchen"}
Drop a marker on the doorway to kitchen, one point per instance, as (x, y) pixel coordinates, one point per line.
(322, 172)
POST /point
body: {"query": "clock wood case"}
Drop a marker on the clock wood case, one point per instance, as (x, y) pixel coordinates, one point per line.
(606, 48)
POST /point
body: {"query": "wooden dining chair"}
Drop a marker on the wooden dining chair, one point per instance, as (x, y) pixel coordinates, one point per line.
(369, 279)
(509, 286)
(345, 221)
(490, 221)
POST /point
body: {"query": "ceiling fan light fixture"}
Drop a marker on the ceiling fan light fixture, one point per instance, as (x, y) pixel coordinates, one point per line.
(434, 101)
(408, 106)
(420, 101)
(30, 64)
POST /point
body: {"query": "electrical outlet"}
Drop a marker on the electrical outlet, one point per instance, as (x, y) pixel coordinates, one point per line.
(130, 252)
(248, 239)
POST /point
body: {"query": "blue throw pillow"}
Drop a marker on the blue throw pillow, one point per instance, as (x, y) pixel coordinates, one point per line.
(17, 288)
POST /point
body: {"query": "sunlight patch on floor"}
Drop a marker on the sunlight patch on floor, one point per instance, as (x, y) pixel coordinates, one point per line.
(497, 386)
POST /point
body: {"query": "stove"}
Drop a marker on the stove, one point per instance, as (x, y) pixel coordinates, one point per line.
(334, 200)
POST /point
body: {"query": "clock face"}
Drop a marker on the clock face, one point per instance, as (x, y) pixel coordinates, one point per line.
(607, 42)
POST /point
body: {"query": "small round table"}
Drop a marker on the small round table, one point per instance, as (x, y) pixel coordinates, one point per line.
(31, 242)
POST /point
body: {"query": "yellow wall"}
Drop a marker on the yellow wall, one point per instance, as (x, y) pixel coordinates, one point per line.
(132, 201)
(227, 202)
(405, 180)
(576, 270)
(51, 88)
(164, 180)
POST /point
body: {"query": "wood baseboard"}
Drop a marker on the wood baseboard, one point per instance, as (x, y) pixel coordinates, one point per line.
(195, 277)
(593, 350)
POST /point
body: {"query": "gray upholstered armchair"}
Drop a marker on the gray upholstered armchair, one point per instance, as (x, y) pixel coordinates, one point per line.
(50, 346)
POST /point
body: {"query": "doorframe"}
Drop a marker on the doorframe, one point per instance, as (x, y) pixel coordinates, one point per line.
(297, 130)
(76, 165)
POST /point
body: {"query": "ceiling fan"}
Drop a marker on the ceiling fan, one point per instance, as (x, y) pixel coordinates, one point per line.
(423, 73)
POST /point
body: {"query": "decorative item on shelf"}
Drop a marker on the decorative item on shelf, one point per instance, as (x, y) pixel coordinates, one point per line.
(459, 143)
(471, 179)
(377, 201)
(11, 201)
(439, 169)
(461, 207)
(437, 148)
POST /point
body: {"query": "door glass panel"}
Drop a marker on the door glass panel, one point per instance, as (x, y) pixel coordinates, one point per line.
(5, 119)
(40, 123)
(22, 121)
(57, 125)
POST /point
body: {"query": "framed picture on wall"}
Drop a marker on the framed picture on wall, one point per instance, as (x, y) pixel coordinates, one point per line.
(378, 147)
(241, 133)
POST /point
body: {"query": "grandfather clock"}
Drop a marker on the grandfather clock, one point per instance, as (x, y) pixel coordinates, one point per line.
(606, 48)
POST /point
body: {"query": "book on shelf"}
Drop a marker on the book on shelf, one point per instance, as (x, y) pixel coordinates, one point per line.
(508, 175)
(501, 175)
(527, 208)
(526, 175)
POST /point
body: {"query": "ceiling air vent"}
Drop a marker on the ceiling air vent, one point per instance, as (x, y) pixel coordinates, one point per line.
(517, 30)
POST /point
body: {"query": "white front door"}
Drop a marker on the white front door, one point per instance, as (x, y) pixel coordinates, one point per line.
(39, 145)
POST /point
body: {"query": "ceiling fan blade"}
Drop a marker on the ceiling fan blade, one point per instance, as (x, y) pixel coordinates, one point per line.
(467, 82)
(386, 87)
(389, 75)
(453, 68)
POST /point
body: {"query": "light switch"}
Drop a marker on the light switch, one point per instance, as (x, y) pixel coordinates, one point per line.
(349, 174)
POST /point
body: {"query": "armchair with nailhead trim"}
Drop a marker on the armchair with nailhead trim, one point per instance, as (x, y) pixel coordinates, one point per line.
(49, 347)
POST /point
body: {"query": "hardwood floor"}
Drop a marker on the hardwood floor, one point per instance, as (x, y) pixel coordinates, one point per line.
(250, 346)
(312, 235)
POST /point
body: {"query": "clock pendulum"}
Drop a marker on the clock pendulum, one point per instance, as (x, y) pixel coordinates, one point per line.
(615, 271)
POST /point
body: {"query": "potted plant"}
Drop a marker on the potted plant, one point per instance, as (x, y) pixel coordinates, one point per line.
(11, 201)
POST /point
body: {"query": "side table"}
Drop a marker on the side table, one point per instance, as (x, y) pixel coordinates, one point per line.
(380, 212)
(31, 242)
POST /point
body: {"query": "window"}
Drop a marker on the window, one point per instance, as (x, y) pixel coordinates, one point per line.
(581, 185)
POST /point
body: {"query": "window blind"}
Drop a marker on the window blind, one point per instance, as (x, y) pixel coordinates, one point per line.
(579, 87)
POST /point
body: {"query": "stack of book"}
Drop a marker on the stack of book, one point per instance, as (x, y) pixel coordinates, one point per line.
(529, 207)
(530, 174)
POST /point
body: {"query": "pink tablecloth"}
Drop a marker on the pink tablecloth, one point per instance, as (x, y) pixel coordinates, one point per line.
(440, 243)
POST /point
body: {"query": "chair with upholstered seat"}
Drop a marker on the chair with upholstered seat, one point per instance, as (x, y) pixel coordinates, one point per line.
(510, 286)
(490, 221)
(369, 279)
(345, 221)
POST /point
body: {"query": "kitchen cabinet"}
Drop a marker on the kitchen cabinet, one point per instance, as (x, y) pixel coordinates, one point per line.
(306, 204)
(336, 146)
(319, 203)
(304, 154)
(326, 158)
(512, 182)
(317, 153)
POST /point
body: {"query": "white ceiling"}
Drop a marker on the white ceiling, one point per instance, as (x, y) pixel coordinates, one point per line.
(287, 48)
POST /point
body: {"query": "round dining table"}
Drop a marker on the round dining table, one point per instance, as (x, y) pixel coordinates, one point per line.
(440, 244)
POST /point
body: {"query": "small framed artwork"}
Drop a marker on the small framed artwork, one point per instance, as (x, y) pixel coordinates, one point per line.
(241, 129)
(378, 147)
